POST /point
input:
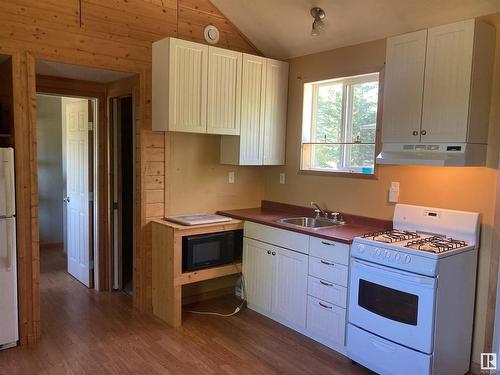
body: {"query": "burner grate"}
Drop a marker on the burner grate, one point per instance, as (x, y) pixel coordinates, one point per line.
(390, 236)
(436, 244)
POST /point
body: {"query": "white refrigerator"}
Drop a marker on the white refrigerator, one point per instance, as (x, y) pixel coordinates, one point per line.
(9, 333)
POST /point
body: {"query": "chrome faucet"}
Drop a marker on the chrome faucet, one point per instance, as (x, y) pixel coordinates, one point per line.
(319, 211)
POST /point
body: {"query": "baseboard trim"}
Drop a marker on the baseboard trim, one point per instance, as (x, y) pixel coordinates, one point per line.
(475, 368)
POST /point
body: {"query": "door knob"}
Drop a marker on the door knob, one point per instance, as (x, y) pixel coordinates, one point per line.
(415, 133)
(66, 200)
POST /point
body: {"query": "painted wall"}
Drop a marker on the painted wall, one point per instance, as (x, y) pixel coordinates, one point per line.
(198, 183)
(456, 188)
(50, 178)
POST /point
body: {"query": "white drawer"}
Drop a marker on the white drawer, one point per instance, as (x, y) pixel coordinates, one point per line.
(279, 237)
(328, 271)
(326, 320)
(329, 250)
(327, 291)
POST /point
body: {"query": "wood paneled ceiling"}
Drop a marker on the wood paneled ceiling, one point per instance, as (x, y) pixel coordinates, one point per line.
(282, 28)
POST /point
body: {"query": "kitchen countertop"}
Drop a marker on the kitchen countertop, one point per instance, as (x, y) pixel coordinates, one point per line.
(270, 212)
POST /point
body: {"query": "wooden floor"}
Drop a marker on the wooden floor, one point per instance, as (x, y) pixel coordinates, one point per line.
(85, 332)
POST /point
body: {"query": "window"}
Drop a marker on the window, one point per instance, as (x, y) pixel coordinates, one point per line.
(339, 124)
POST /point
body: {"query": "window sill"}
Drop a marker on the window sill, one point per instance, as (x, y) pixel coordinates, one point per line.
(339, 174)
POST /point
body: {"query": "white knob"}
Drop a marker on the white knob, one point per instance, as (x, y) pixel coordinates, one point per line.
(361, 248)
(397, 257)
(378, 252)
(387, 254)
(407, 259)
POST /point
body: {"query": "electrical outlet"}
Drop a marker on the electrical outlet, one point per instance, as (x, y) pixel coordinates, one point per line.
(282, 178)
(230, 177)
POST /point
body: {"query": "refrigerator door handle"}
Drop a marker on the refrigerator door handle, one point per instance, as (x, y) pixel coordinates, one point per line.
(8, 187)
(10, 249)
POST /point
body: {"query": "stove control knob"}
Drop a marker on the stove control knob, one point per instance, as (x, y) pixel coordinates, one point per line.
(378, 252)
(397, 257)
(387, 254)
(361, 248)
(407, 259)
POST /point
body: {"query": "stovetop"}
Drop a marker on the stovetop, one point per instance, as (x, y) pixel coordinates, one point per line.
(417, 241)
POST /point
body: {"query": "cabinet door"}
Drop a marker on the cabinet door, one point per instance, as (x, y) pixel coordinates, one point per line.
(447, 82)
(252, 110)
(275, 112)
(403, 87)
(224, 91)
(188, 86)
(289, 300)
(258, 273)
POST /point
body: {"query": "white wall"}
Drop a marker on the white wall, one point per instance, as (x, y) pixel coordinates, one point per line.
(50, 178)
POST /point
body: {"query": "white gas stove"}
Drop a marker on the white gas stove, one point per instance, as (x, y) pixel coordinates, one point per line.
(412, 293)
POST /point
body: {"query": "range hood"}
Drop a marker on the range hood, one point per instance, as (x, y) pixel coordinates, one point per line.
(433, 154)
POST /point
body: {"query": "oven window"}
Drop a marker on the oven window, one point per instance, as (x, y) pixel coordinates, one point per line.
(387, 302)
(206, 252)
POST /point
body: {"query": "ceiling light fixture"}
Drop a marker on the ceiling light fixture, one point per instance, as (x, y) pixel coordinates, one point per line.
(318, 24)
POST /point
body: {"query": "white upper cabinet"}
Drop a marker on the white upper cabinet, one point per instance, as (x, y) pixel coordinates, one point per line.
(205, 89)
(447, 82)
(180, 77)
(438, 84)
(252, 110)
(403, 87)
(275, 112)
(224, 91)
(263, 115)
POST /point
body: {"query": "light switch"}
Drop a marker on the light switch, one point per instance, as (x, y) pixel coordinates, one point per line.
(230, 177)
(394, 192)
(282, 178)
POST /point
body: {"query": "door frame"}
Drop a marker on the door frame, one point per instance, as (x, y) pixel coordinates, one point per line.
(56, 86)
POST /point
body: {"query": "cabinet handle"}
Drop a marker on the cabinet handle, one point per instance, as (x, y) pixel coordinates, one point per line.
(423, 132)
(269, 251)
(327, 263)
(415, 133)
(327, 243)
(325, 284)
(274, 253)
(325, 306)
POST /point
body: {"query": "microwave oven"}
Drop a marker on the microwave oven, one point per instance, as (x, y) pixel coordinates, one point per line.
(210, 250)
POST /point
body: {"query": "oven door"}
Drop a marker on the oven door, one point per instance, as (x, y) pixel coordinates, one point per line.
(393, 304)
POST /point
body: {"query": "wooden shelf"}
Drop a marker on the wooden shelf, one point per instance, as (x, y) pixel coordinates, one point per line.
(207, 274)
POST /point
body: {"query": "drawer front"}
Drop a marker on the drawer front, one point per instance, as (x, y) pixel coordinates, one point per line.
(327, 291)
(279, 237)
(328, 271)
(326, 320)
(329, 250)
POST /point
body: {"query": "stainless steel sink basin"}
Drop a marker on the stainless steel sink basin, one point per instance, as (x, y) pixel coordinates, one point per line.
(310, 222)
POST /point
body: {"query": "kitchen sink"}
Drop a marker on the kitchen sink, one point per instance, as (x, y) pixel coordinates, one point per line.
(310, 222)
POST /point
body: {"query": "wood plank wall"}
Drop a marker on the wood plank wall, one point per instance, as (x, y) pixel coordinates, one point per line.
(111, 34)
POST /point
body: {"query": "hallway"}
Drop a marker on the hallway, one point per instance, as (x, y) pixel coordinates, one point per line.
(85, 332)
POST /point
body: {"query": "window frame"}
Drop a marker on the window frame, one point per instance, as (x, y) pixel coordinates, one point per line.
(309, 112)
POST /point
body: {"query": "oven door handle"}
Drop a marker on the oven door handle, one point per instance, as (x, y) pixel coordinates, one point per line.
(402, 275)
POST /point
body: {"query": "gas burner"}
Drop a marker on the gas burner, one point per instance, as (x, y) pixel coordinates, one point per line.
(436, 244)
(390, 236)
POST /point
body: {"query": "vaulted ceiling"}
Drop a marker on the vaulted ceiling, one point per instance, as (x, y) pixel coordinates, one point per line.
(282, 28)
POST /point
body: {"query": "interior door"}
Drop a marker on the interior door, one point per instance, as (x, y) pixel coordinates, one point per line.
(258, 268)
(289, 300)
(77, 200)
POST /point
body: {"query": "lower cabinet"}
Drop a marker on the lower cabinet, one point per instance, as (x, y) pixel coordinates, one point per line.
(304, 288)
(276, 281)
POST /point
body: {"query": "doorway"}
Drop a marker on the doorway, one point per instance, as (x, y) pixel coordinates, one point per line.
(66, 181)
(122, 191)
